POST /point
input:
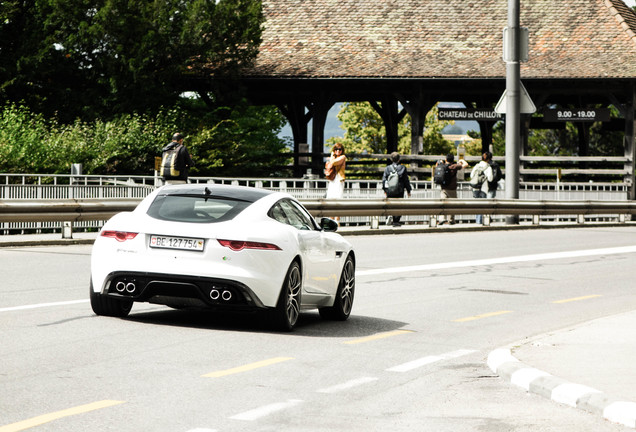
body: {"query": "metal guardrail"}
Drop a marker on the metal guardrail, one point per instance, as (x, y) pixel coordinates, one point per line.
(103, 209)
(69, 210)
(440, 207)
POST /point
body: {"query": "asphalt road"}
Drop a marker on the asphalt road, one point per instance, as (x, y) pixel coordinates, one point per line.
(428, 310)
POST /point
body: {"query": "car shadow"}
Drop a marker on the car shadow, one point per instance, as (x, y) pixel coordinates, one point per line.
(310, 324)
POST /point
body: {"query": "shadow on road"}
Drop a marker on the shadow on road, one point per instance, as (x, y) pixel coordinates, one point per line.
(310, 324)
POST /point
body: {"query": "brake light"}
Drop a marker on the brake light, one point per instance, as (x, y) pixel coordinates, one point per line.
(119, 235)
(237, 245)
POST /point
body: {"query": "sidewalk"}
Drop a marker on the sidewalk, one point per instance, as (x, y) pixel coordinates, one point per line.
(589, 366)
(46, 239)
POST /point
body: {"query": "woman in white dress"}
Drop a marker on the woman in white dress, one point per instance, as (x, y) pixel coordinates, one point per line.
(337, 160)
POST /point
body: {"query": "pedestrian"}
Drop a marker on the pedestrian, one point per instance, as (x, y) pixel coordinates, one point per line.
(175, 161)
(449, 183)
(337, 161)
(480, 176)
(395, 181)
(496, 176)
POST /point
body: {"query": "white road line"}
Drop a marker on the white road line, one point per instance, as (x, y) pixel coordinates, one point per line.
(42, 305)
(502, 260)
(405, 367)
(266, 410)
(347, 385)
(426, 267)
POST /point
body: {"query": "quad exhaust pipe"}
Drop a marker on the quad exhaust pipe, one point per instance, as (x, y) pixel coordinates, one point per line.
(216, 294)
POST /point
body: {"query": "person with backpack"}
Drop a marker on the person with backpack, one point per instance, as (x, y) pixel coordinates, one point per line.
(175, 161)
(445, 175)
(395, 181)
(480, 176)
(496, 176)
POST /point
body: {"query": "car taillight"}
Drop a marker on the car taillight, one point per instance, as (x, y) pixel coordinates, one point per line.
(119, 235)
(237, 245)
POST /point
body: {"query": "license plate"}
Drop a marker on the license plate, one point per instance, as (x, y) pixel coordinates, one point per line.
(182, 243)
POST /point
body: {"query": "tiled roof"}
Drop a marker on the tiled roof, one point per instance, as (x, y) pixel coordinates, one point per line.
(444, 39)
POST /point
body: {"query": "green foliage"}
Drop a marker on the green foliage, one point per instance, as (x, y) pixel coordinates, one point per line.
(243, 142)
(100, 58)
(21, 138)
(240, 142)
(127, 145)
(433, 143)
(364, 131)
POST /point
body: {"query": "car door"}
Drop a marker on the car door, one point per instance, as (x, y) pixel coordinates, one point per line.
(317, 258)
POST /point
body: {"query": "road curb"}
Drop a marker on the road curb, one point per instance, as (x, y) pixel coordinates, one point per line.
(502, 362)
(51, 242)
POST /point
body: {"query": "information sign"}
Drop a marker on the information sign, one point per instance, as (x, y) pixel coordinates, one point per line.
(468, 114)
(576, 115)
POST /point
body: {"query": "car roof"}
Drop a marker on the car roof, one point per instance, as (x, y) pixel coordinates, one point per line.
(242, 193)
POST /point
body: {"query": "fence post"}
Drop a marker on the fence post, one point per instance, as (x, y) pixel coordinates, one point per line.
(67, 230)
(375, 222)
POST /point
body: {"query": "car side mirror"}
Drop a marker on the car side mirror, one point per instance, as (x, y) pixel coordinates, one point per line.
(328, 225)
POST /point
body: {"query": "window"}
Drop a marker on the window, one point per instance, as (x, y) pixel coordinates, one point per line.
(291, 213)
(195, 208)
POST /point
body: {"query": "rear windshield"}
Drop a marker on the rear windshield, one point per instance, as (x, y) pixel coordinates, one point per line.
(195, 208)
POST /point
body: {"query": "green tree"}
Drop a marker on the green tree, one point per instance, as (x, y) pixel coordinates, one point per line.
(29, 143)
(364, 131)
(433, 143)
(242, 142)
(100, 58)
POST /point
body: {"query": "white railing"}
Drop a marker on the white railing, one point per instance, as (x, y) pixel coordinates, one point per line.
(82, 187)
(39, 186)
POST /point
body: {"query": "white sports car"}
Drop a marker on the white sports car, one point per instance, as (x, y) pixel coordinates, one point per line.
(220, 246)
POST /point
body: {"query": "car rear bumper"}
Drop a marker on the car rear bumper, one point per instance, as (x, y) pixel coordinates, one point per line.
(180, 290)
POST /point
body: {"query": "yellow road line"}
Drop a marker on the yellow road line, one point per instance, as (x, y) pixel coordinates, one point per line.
(486, 315)
(247, 367)
(377, 336)
(577, 298)
(46, 418)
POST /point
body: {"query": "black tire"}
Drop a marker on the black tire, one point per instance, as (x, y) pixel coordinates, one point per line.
(107, 306)
(288, 307)
(343, 302)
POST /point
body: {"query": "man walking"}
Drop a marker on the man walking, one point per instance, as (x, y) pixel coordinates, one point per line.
(394, 182)
(175, 161)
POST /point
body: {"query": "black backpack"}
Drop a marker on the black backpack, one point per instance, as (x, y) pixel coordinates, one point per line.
(442, 174)
(496, 172)
(171, 163)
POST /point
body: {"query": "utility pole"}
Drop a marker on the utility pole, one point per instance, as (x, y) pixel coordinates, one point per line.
(513, 114)
(515, 99)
